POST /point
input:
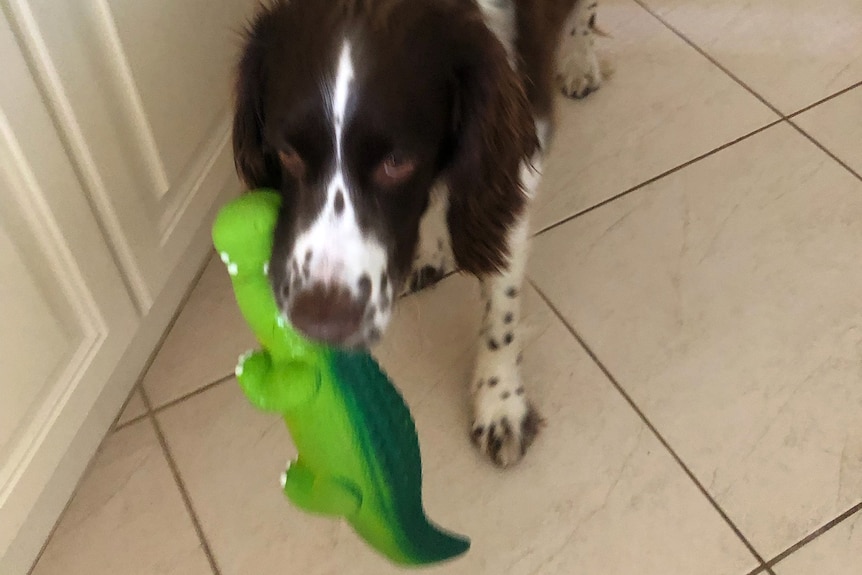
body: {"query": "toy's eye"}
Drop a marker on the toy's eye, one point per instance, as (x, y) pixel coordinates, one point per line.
(396, 168)
(292, 161)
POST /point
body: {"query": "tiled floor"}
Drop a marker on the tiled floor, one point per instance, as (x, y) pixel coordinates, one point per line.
(694, 338)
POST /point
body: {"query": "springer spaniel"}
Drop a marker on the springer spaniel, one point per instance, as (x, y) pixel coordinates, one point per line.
(406, 138)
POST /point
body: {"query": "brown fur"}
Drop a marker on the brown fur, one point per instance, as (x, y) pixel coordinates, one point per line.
(539, 25)
(492, 115)
(254, 165)
(497, 135)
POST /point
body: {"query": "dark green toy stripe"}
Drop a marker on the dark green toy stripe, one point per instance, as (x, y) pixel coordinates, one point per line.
(397, 461)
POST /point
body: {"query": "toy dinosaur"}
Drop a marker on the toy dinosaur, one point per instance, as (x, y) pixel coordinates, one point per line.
(358, 450)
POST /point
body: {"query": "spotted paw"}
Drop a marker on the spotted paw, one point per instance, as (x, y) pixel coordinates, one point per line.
(426, 276)
(433, 258)
(579, 70)
(505, 422)
(578, 78)
(579, 88)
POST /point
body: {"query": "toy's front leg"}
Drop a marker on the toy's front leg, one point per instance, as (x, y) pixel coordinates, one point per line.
(275, 388)
(321, 495)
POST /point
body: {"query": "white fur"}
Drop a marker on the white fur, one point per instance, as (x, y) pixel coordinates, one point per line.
(505, 400)
(341, 253)
(435, 244)
(503, 404)
(341, 97)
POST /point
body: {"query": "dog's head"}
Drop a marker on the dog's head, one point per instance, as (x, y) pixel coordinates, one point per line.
(352, 110)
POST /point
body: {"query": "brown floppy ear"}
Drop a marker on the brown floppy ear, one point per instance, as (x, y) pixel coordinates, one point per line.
(256, 165)
(494, 135)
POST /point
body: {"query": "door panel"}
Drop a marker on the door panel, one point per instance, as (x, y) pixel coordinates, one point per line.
(114, 156)
(67, 315)
(34, 344)
(198, 35)
(141, 94)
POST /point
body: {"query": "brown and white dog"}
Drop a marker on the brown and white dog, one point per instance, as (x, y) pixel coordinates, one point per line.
(406, 138)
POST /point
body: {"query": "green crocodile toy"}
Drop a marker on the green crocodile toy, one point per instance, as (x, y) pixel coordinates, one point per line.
(358, 449)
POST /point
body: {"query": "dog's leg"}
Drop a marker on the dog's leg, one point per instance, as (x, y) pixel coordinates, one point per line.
(433, 259)
(504, 421)
(578, 70)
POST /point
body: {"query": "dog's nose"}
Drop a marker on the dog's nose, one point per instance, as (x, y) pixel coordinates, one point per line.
(326, 313)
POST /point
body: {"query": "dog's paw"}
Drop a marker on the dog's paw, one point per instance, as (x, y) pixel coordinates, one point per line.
(431, 264)
(426, 276)
(580, 74)
(580, 71)
(433, 258)
(579, 86)
(505, 423)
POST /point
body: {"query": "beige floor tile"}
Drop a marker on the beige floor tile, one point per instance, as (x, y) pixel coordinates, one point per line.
(791, 52)
(726, 299)
(127, 517)
(134, 408)
(665, 104)
(837, 124)
(596, 495)
(203, 344)
(834, 553)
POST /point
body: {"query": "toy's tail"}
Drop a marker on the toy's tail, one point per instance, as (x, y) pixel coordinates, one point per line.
(431, 544)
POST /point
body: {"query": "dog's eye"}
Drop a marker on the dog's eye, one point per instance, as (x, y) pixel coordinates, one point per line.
(292, 162)
(395, 169)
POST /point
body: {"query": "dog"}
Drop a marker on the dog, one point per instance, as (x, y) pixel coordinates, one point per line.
(406, 138)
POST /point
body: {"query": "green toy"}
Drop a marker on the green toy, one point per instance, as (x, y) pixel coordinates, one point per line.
(358, 449)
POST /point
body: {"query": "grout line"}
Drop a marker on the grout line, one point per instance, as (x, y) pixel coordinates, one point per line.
(181, 487)
(194, 393)
(153, 411)
(62, 514)
(829, 153)
(754, 93)
(173, 402)
(130, 423)
(113, 427)
(706, 55)
(652, 428)
(782, 117)
(219, 381)
(814, 535)
(657, 177)
(152, 358)
(826, 99)
(223, 379)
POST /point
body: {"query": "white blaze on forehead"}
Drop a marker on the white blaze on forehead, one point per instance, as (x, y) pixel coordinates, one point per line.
(341, 96)
(340, 252)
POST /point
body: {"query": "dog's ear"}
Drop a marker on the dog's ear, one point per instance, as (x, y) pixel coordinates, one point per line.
(256, 165)
(494, 136)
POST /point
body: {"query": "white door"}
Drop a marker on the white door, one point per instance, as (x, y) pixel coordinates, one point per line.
(140, 92)
(66, 315)
(114, 155)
